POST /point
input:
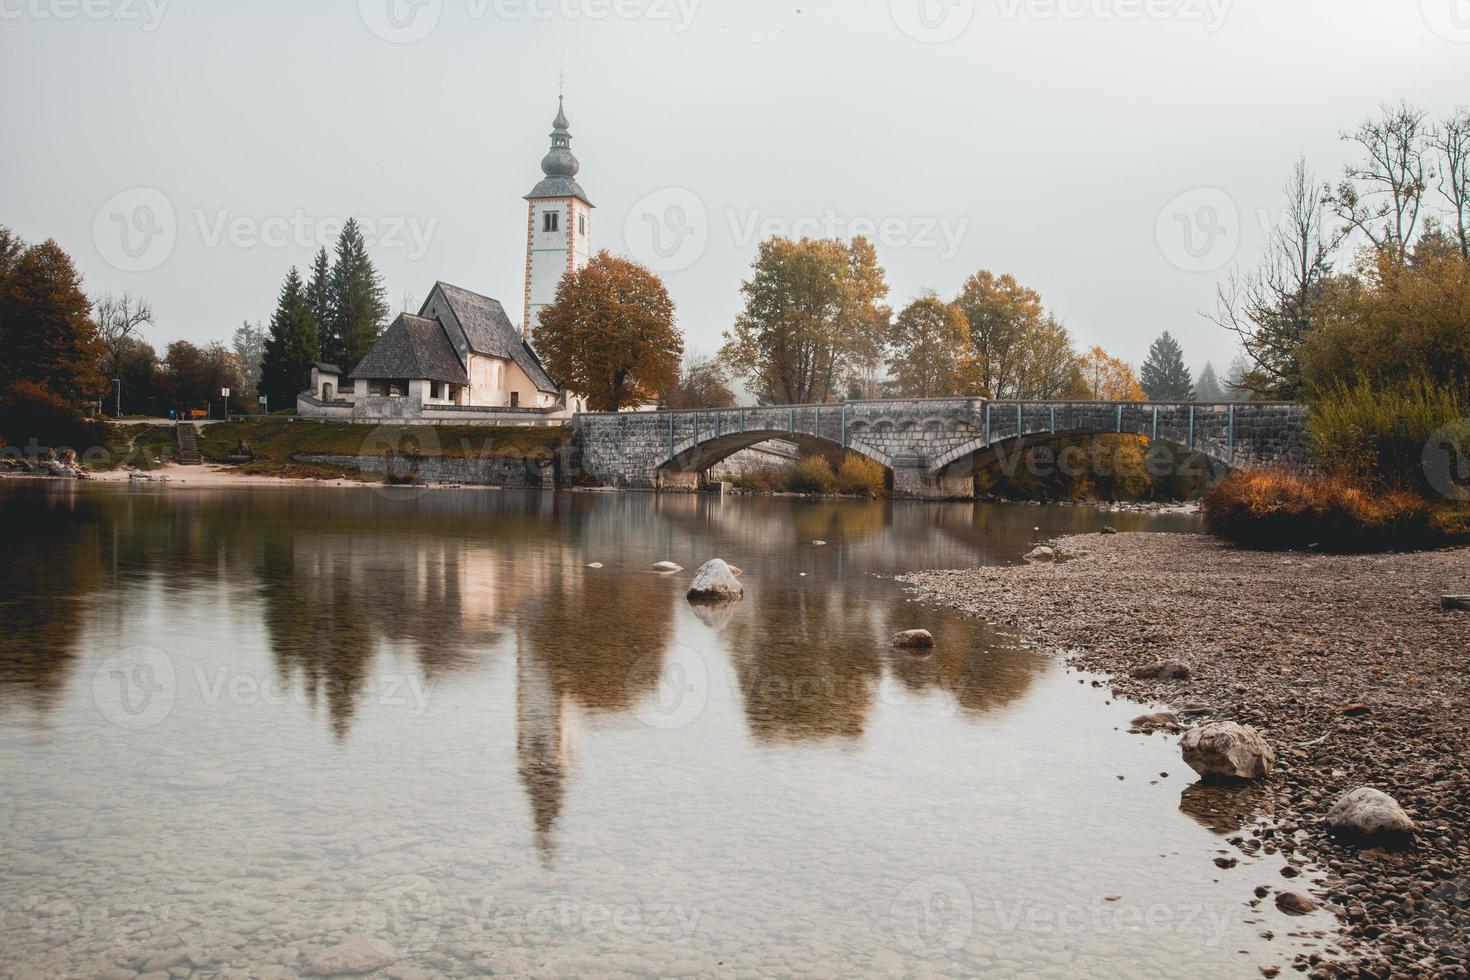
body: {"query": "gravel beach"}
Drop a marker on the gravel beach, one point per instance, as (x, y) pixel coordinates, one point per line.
(1347, 665)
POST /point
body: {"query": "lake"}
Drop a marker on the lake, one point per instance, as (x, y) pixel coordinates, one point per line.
(238, 727)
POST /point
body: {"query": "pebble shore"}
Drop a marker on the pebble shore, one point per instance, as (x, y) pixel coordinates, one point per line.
(1347, 665)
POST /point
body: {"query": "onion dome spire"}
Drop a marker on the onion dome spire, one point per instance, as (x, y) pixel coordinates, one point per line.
(560, 166)
(560, 162)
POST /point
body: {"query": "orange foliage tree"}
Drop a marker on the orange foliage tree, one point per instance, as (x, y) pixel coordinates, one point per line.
(1109, 379)
(610, 335)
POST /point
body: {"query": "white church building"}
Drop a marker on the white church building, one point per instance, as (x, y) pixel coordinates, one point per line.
(460, 358)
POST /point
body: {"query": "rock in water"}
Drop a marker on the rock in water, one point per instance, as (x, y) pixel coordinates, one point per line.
(1164, 670)
(914, 640)
(1109, 529)
(353, 957)
(1042, 554)
(1369, 814)
(1295, 903)
(667, 567)
(1160, 719)
(716, 583)
(1223, 750)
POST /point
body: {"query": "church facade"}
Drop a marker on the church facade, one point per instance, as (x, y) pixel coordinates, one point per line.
(460, 358)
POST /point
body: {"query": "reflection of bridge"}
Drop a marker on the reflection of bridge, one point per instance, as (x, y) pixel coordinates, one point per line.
(931, 445)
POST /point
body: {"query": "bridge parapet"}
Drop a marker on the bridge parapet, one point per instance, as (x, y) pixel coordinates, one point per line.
(930, 444)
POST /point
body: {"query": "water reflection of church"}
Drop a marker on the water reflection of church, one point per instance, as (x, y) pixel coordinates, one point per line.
(471, 582)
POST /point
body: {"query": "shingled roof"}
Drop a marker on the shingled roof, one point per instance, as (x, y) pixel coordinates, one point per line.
(490, 332)
(413, 348)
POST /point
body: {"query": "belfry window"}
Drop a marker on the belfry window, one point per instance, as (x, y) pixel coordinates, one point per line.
(553, 221)
(582, 224)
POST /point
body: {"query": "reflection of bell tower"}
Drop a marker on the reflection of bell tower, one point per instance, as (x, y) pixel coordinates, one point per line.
(545, 744)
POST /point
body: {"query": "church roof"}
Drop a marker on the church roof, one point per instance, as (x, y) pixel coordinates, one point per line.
(490, 332)
(559, 187)
(413, 348)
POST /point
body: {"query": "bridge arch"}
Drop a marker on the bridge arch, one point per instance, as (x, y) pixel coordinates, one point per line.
(693, 457)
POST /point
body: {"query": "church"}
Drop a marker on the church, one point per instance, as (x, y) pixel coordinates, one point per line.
(460, 358)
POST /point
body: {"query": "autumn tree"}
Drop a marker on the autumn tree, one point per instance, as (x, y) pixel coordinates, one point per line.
(46, 332)
(930, 349)
(290, 347)
(610, 335)
(358, 301)
(1164, 376)
(1000, 312)
(702, 384)
(814, 319)
(193, 377)
(1106, 378)
(1395, 322)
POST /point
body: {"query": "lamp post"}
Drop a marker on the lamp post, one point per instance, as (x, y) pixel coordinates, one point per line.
(118, 382)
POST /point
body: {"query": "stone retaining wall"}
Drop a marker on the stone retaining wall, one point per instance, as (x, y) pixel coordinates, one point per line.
(513, 472)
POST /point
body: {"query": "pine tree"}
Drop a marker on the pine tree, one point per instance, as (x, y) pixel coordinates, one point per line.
(319, 298)
(1164, 376)
(1208, 387)
(358, 301)
(291, 347)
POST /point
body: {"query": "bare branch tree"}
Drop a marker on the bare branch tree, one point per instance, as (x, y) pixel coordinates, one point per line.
(118, 318)
(1382, 196)
(1452, 140)
(1271, 309)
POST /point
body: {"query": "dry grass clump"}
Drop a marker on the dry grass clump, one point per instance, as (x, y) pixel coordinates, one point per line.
(1277, 510)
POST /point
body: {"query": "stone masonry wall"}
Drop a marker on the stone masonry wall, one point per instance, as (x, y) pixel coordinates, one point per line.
(926, 442)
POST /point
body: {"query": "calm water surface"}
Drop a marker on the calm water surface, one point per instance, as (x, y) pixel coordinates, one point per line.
(249, 724)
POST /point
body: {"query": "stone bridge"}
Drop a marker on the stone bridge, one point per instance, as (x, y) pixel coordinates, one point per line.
(932, 445)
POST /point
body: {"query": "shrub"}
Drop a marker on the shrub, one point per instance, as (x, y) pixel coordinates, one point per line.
(812, 474)
(762, 480)
(1375, 435)
(1276, 511)
(29, 411)
(862, 476)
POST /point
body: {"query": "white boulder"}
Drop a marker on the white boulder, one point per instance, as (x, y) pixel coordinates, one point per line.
(1043, 554)
(667, 568)
(1226, 750)
(715, 582)
(1368, 812)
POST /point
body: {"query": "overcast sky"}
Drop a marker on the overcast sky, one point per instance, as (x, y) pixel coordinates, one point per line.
(1115, 155)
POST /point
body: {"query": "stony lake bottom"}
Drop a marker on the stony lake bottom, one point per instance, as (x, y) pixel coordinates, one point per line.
(240, 727)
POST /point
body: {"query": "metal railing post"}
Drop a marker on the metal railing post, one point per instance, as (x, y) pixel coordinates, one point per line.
(987, 423)
(1232, 436)
(1191, 428)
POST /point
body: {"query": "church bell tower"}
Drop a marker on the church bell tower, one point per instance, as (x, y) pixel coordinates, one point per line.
(560, 219)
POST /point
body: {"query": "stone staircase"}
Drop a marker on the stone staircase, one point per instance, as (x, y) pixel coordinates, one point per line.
(188, 445)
